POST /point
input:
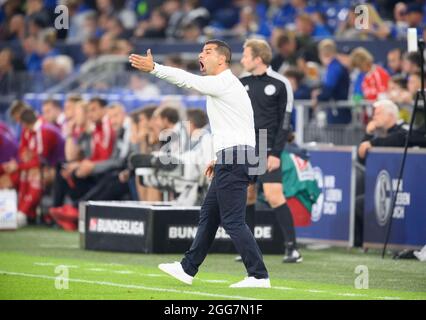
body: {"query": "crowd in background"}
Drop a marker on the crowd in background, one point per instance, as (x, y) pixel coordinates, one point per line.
(294, 28)
(81, 152)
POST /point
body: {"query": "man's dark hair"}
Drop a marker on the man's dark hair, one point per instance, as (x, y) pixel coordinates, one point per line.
(74, 97)
(102, 102)
(28, 116)
(285, 39)
(198, 117)
(171, 114)
(414, 58)
(223, 48)
(294, 72)
(400, 80)
(17, 106)
(53, 102)
(148, 111)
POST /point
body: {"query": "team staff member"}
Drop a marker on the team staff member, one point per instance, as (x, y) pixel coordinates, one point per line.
(272, 100)
(231, 120)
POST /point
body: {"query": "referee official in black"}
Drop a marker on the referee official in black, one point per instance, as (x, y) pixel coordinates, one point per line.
(271, 96)
(231, 121)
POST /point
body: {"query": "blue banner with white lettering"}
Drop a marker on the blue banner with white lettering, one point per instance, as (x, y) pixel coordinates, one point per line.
(331, 215)
(409, 216)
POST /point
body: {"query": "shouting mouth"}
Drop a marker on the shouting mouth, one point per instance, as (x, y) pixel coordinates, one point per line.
(202, 66)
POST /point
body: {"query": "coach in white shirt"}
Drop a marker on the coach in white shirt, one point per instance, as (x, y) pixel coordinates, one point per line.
(231, 121)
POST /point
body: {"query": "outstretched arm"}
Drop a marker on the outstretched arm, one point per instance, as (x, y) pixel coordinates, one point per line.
(208, 85)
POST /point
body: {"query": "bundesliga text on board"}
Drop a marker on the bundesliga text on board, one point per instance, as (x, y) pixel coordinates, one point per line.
(188, 232)
(116, 226)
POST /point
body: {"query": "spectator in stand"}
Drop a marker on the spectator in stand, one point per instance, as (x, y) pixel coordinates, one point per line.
(304, 34)
(7, 74)
(410, 63)
(38, 13)
(115, 27)
(44, 48)
(14, 27)
(384, 130)
(142, 87)
(335, 83)
(397, 90)
(174, 11)
(192, 14)
(399, 24)
(414, 17)
(90, 48)
(321, 30)
(286, 52)
(247, 25)
(56, 69)
(296, 77)
(413, 85)
(394, 61)
(52, 113)
(82, 21)
(289, 10)
(108, 8)
(376, 79)
(154, 27)
(192, 32)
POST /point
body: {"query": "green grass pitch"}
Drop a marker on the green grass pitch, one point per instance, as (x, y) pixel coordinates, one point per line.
(29, 260)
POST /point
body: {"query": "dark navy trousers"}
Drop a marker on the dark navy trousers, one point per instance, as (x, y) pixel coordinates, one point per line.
(225, 204)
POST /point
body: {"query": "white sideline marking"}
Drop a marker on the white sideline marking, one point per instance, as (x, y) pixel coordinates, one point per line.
(129, 286)
(282, 288)
(55, 246)
(214, 281)
(50, 264)
(389, 298)
(124, 272)
(97, 269)
(151, 275)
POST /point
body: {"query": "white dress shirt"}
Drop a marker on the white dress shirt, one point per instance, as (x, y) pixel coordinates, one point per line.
(228, 104)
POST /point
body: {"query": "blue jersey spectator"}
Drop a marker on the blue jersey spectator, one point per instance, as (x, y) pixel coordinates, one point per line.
(335, 83)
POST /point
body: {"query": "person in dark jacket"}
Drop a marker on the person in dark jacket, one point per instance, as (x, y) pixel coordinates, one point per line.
(384, 130)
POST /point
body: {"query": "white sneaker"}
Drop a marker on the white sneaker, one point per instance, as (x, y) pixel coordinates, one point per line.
(252, 282)
(421, 255)
(176, 271)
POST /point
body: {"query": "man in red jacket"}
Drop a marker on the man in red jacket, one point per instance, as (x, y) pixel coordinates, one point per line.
(78, 177)
(44, 147)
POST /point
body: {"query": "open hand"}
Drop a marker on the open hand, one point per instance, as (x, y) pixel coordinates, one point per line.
(144, 64)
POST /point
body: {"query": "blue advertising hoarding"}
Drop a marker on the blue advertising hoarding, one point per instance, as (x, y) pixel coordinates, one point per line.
(409, 217)
(333, 214)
